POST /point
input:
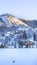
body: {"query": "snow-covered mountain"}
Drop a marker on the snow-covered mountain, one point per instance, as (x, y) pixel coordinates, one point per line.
(8, 20)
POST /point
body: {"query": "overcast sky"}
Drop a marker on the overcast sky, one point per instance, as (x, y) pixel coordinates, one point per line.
(26, 9)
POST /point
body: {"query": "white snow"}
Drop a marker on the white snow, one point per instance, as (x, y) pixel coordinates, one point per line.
(18, 56)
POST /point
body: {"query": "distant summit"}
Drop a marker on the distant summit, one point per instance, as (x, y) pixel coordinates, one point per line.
(8, 20)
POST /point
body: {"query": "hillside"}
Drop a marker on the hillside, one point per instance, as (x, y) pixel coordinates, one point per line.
(14, 30)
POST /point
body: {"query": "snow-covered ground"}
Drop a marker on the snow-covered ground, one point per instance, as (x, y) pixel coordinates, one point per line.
(18, 56)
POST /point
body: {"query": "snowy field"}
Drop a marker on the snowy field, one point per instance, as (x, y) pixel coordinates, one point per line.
(18, 56)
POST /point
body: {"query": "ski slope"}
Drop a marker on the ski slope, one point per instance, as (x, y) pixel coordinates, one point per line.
(18, 56)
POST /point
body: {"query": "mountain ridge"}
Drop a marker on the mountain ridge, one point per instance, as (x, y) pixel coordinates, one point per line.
(9, 20)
